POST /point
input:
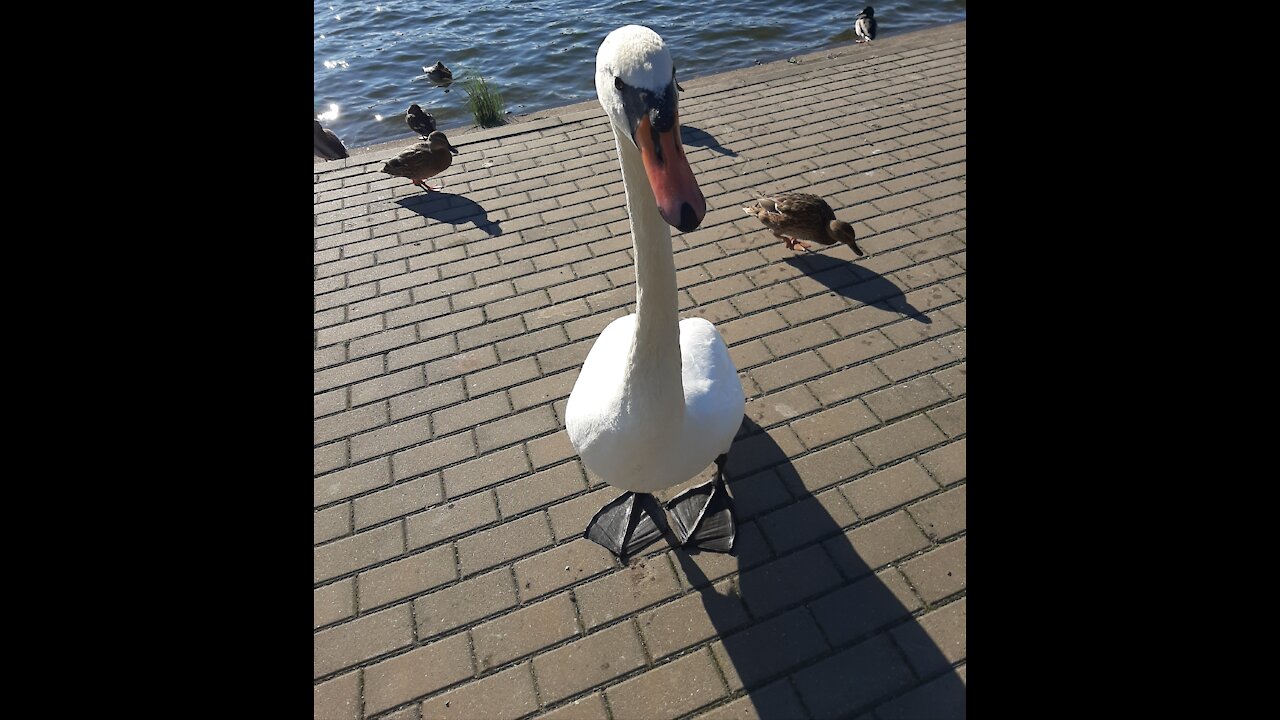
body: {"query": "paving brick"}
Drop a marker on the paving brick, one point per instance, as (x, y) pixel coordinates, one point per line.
(329, 402)
(416, 673)
(638, 585)
(899, 440)
(502, 543)
(811, 519)
(947, 464)
(905, 398)
(762, 450)
(331, 523)
(424, 352)
(389, 438)
(451, 519)
(405, 578)
(465, 602)
(433, 396)
(937, 640)
(847, 383)
(345, 645)
(757, 493)
(432, 456)
(776, 700)
(953, 379)
(670, 691)
(938, 573)
(869, 547)
(334, 602)
(348, 423)
(788, 580)
(361, 550)
(789, 371)
(857, 349)
(855, 611)
(824, 468)
(942, 516)
(396, 500)
(560, 567)
(570, 518)
(504, 696)
(589, 662)
(485, 471)
(331, 456)
(852, 679)
(469, 414)
(951, 417)
(351, 481)
(462, 363)
(541, 488)
(835, 423)
(503, 376)
(338, 699)
(942, 699)
(547, 389)
(767, 649)
(691, 619)
(913, 361)
(516, 428)
(590, 707)
(524, 631)
(888, 489)
(781, 406)
(551, 449)
(378, 343)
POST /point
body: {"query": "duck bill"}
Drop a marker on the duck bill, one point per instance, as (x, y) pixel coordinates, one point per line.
(679, 198)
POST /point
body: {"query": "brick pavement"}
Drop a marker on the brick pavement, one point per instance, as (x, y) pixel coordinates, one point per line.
(451, 579)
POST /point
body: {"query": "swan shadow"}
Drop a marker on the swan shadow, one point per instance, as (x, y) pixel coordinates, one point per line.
(452, 209)
(690, 135)
(856, 282)
(816, 621)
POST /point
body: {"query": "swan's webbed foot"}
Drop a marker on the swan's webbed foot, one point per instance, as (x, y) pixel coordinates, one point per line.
(627, 524)
(703, 514)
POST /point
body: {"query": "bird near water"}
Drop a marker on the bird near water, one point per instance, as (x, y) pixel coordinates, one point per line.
(420, 121)
(422, 161)
(865, 25)
(796, 217)
(327, 145)
(658, 399)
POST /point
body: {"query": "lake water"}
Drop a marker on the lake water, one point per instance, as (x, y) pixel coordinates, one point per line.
(369, 57)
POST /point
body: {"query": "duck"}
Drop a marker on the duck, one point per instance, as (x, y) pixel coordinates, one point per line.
(327, 145)
(796, 217)
(438, 73)
(865, 25)
(658, 399)
(419, 120)
(424, 160)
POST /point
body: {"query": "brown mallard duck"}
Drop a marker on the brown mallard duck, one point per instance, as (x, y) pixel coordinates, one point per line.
(438, 73)
(797, 216)
(327, 145)
(419, 120)
(424, 160)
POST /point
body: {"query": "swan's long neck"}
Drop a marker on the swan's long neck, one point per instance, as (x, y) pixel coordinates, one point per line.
(653, 377)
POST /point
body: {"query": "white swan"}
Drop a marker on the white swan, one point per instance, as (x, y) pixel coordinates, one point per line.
(658, 399)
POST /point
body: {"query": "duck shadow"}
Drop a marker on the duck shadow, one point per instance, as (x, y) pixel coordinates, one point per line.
(856, 283)
(452, 209)
(816, 621)
(690, 135)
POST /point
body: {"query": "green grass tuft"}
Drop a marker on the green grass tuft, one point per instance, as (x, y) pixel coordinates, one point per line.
(484, 102)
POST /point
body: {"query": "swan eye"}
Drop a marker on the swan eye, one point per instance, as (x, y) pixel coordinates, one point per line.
(617, 82)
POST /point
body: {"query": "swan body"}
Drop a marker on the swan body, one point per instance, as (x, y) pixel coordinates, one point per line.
(658, 399)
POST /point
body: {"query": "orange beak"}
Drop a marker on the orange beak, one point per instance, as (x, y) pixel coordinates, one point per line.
(679, 198)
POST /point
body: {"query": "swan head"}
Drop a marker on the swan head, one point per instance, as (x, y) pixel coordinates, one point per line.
(636, 84)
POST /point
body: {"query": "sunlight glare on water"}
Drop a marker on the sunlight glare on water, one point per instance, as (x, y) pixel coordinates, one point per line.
(369, 59)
